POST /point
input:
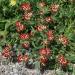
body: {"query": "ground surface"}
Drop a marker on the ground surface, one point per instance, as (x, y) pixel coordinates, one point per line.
(19, 69)
(7, 68)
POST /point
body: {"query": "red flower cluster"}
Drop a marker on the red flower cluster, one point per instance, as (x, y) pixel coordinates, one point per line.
(25, 45)
(19, 26)
(54, 7)
(41, 4)
(50, 35)
(27, 16)
(21, 58)
(24, 36)
(41, 27)
(26, 6)
(6, 52)
(25, 58)
(63, 40)
(45, 51)
(48, 19)
(43, 60)
(62, 60)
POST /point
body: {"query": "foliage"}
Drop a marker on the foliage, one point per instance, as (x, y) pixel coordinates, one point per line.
(63, 23)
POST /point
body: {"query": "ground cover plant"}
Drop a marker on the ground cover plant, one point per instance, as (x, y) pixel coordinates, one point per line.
(40, 33)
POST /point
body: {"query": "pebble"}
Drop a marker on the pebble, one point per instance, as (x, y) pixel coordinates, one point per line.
(11, 73)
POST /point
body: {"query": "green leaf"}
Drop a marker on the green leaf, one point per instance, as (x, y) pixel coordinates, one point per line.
(71, 36)
(0, 48)
(71, 57)
(2, 26)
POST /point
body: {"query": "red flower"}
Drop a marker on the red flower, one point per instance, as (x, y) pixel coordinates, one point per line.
(25, 58)
(50, 35)
(25, 45)
(19, 26)
(26, 6)
(62, 60)
(27, 16)
(6, 52)
(20, 58)
(48, 19)
(43, 60)
(63, 40)
(24, 36)
(41, 4)
(45, 51)
(18, 23)
(41, 27)
(54, 7)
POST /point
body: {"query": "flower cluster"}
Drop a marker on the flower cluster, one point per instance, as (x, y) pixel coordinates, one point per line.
(37, 34)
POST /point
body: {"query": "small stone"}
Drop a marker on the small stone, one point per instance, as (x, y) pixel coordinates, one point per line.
(15, 70)
(11, 73)
(16, 74)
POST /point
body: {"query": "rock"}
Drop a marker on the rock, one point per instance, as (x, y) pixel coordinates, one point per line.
(11, 73)
(49, 72)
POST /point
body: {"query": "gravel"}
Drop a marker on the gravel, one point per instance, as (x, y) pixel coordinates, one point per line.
(20, 69)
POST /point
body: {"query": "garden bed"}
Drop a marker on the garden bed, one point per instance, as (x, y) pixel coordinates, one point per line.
(37, 37)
